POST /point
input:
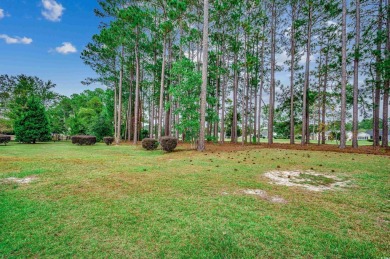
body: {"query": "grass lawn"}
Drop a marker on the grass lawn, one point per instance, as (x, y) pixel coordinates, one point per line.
(122, 201)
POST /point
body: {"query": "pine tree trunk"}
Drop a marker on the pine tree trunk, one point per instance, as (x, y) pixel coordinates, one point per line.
(136, 108)
(378, 80)
(129, 106)
(161, 106)
(201, 143)
(245, 98)
(292, 125)
(217, 90)
(272, 86)
(343, 137)
(115, 101)
(119, 118)
(261, 86)
(319, 97)
(355, 119)
(305, 110)
(225, 77)
(323, 108)
(168, 117)
(255, 132)
(115, 113)
(235, 90)
(385, 125)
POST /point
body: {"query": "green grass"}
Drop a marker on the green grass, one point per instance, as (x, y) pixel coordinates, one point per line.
(121, 201)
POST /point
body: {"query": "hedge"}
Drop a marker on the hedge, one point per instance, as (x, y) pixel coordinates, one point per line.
(168, 143)
(83, 140)
(149, 143)
(5, 139)
(108, 140)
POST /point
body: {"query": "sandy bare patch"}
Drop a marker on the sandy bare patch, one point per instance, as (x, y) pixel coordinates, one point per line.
(309, 180)
(264, 195)
(25, 180)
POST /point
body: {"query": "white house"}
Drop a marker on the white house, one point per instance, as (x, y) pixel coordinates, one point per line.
(360, 136)
(363, 136)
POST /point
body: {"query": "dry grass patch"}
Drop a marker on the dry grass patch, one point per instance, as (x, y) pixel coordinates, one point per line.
(309, 180)
(25, 180)
(264, 195)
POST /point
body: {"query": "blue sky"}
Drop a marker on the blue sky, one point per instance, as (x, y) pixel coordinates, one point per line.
(44, 38)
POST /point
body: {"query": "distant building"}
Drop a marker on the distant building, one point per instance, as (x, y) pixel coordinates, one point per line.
(363, 136)
(360, 136)
(371, 133)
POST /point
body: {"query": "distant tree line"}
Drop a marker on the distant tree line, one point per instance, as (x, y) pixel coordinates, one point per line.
(149, 55)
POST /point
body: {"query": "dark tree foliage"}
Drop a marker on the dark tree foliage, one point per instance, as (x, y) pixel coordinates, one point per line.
(229, 122)
(32, 124)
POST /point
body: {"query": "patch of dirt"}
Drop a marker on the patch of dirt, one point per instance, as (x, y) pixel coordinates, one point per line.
(25, 180)
(309, 180)
(264, 195)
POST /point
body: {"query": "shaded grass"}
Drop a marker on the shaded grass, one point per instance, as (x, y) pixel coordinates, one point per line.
(122, 201)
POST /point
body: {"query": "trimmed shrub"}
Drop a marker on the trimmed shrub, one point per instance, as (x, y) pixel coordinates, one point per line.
(168, 143)
(108, 140)
(5, 139)
(149, 143)
(83, 140)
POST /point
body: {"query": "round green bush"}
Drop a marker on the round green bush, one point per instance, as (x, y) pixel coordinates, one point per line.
(168, 143)
(84, 140)
(108, 140)
(149, 143)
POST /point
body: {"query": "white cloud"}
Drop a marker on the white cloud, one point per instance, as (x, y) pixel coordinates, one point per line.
(15, 40)
(52, 10)
(280, 58)
(331, 23)
(66, 48)
(2, 14)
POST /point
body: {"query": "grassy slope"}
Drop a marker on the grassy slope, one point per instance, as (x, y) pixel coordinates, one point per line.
(121, 201)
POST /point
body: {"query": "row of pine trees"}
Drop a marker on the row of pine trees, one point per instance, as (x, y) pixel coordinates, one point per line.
(303, 61)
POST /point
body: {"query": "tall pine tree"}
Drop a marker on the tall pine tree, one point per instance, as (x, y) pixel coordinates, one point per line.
(32, 124)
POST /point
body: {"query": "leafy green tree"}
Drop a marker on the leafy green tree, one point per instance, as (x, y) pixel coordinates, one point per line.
(32, 124)
(186, 93)
(102, 127)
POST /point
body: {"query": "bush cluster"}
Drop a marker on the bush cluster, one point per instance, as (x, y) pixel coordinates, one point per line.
(5, 139)
(149, 143)
(84, 140)
(108, 140)
(168, 143)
